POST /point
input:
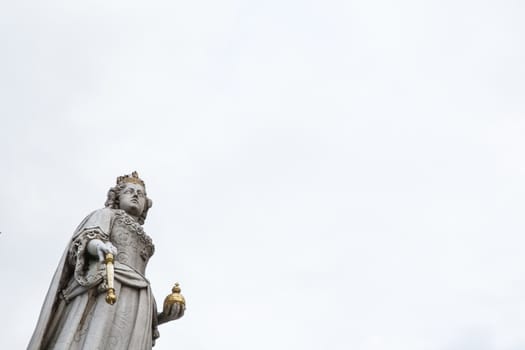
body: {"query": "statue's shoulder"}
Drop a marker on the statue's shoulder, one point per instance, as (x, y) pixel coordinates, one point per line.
(100, 219)
(100, 214)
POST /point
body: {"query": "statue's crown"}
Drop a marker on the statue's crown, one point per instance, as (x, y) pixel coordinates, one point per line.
(133, 178)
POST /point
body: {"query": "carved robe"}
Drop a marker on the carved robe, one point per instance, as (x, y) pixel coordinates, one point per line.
(75, 314)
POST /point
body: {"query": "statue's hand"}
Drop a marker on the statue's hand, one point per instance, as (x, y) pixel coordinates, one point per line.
(98, 248)
(172, 313)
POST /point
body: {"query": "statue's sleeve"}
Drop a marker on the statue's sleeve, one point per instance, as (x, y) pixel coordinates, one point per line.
(87, 269)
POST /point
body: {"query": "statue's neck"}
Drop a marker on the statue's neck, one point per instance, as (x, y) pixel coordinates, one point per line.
(134, 217)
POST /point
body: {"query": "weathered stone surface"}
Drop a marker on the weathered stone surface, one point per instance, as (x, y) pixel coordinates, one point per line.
(75, 314)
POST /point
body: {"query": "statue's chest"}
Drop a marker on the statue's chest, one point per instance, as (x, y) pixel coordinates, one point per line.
(134, 246)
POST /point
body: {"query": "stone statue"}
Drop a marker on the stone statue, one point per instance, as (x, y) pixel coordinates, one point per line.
(99, 297)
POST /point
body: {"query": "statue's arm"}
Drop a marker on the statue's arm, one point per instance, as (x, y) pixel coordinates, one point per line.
(93, 231)
(90, 241)
(173, 313)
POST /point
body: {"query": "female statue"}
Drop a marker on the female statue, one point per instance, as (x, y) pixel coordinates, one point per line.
(75, 314)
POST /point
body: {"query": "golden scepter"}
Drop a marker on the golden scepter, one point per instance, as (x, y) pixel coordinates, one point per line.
(111, 297)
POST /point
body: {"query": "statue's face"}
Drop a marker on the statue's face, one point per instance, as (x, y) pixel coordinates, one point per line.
(132, 199)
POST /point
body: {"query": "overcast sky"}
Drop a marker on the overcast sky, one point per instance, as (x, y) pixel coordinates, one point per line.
(325, 174)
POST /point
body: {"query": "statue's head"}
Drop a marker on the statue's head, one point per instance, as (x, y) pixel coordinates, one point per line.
(129, 194)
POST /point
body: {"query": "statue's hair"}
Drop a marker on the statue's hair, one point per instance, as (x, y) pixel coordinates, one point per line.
(114, 203)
